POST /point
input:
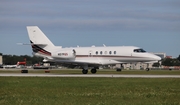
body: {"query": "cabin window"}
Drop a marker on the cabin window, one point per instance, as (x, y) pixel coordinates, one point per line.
(110, 52)
(96, 52)
(114, 52)
(139, 50)
(101, 52)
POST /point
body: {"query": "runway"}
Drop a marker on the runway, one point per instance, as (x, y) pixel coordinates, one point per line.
(86, 75)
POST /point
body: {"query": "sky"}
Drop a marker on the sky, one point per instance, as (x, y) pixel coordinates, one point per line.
(153, 25)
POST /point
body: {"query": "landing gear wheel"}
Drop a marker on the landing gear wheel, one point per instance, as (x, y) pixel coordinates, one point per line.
(147, 69)
(118, 69)
(84, 71)
(93, 71)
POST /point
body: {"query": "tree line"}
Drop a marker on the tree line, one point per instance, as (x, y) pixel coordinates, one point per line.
(169, 62)
(30, 60)
(13, 59)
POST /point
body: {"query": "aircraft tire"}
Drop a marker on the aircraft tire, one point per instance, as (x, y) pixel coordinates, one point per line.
(93, 71)
(24, 71)
(84, 71)
(118, 69)
(147, 69)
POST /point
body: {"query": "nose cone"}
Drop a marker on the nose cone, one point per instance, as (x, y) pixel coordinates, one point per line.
(157, 58)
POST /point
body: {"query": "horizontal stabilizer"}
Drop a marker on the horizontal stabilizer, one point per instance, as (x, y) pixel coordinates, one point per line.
(31, 44)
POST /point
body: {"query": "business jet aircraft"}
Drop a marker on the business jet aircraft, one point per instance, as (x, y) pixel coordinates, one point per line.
(86, 56)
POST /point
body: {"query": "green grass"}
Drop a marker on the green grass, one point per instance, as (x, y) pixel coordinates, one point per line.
(89, 91)
(101, 71)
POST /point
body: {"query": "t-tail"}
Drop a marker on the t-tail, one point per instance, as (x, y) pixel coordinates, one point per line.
(41, 45)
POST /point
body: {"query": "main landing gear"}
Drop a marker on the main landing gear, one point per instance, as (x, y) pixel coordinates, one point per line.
(85, 71)
(93, 71)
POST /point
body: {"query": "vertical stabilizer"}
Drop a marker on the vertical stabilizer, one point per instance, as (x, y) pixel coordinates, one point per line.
(40, 43)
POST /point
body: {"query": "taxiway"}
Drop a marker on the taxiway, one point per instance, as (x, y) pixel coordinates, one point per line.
(87, 75)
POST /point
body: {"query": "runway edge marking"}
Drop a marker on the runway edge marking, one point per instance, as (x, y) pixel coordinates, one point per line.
(89, 75)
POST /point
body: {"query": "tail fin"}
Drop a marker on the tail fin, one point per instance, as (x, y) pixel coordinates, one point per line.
(40, 43)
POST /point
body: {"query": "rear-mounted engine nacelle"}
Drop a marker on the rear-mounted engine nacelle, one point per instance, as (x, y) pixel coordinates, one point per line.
(64, 54)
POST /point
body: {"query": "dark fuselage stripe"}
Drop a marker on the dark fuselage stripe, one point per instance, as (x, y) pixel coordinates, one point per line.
(38, 49)
(108, 56)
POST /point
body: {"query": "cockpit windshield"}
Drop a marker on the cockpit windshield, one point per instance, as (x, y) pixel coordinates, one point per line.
(139, 50)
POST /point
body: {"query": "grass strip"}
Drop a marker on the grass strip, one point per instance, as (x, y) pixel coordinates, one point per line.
(89, 91)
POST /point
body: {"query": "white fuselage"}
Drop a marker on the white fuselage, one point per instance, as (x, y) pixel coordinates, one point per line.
(86, 56)
(100, 55)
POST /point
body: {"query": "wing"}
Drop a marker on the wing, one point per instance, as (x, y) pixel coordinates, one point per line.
(90, 63)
